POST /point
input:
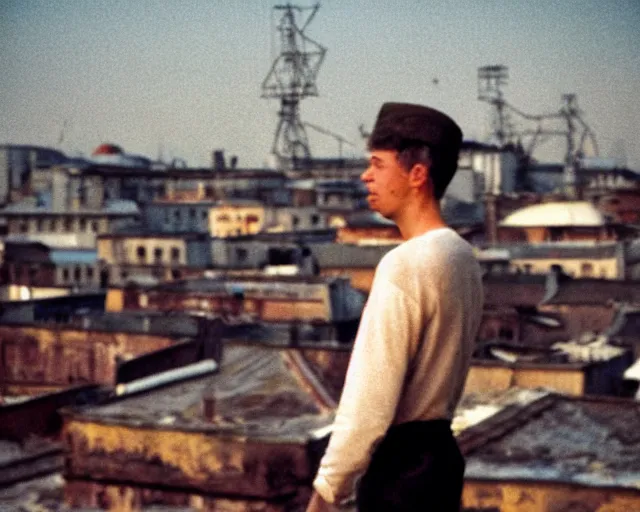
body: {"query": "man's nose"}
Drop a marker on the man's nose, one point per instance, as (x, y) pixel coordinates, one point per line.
(366, 176)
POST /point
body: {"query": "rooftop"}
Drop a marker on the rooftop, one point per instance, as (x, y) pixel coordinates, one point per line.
(590, 442)
(264, 393)
(569, 213)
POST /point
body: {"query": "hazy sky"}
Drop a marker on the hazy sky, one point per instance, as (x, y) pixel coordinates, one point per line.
(182, 78)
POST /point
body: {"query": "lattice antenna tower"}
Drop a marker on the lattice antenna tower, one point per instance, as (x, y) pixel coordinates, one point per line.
(577, 134)
(292, 77)
(491, 80)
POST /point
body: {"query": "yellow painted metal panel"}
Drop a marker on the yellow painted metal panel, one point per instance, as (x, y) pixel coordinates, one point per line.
(551, 497)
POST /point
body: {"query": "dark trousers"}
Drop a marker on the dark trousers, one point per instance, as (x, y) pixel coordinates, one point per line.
(416, 467)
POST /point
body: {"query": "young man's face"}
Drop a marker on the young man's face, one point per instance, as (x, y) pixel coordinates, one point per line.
(387, 182)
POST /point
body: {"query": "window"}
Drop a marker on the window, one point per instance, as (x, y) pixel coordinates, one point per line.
(65, 274)
(242, 254)
(89, 273)
(175, 255)
(192, 213)
(295, 221)
(82, 224)
(40, 225)
(77, 274)
(141, 253)
(314, 220)
(586, 270)
(94, 226)
(68, 224)
(157, 255)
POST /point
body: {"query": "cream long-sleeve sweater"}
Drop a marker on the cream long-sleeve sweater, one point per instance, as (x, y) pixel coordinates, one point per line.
(412, 352)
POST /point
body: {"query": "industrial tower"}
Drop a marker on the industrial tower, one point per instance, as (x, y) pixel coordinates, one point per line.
(291, 78)
(572, 128)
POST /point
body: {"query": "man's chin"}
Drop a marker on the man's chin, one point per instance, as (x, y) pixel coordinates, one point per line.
(374, 208)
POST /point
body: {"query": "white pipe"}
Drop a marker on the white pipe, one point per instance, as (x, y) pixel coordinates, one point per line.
(166, 377)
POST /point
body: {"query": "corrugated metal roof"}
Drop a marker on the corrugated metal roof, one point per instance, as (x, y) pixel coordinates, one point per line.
(591, 442)
(257, 393)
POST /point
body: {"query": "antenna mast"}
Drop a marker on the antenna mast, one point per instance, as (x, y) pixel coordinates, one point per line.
(291, 78)
(490, 82)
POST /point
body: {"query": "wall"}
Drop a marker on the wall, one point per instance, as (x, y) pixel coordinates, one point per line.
(509, 496)
(36, 358)
(232, 220)
(484, 376)
(583, 267)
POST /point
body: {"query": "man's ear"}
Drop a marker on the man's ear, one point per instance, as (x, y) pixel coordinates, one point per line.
(419, 175)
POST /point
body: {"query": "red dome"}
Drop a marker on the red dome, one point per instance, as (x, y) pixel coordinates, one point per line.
(107, 149)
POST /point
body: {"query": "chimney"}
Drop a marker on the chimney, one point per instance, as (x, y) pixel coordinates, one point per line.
(491, 218)
(208, 407)
(218, 160)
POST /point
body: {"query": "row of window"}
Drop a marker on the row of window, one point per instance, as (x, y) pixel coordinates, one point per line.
(33, 273)
(158, 254)
(191, 214)
(586, 269)
(75, 275)
(57, 225)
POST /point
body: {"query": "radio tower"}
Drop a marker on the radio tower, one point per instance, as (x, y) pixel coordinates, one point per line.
(566, 123)
(291, 78)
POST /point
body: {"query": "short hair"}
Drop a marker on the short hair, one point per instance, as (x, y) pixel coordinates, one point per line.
(421, 154)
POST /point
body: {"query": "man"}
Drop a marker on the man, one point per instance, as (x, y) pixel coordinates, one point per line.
(391, 445)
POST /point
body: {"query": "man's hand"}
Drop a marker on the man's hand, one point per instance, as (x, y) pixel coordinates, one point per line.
(317, 504)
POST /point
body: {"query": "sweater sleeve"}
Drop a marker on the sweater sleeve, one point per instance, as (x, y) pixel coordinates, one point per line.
(375, 377)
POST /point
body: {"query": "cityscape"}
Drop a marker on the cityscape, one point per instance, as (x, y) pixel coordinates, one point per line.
(175, 338)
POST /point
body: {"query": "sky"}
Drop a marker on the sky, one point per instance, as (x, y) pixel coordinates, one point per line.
(178, 79)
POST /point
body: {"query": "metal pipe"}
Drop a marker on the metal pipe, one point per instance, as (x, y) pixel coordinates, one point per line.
(167, 377)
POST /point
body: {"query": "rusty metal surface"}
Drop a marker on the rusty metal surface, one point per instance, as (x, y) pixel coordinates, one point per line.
(39, 416)
(57, 357)
(247, 431)
(592, 442)
(84, 495)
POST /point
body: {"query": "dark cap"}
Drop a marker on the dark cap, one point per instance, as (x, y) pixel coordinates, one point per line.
(402, 125)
